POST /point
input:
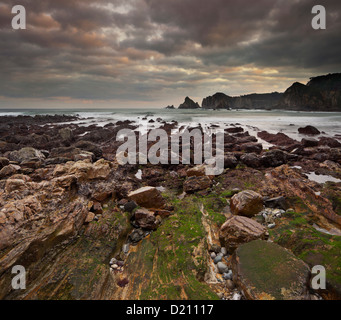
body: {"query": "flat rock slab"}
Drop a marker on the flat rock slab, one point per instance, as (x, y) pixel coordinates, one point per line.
(266, 271)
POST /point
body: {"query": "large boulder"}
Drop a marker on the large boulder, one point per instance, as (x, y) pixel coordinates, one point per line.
(247, 203)
(266, 271)
(194, 184)
(148, 197)
(309, 130)
(239, 230)
(275, 158)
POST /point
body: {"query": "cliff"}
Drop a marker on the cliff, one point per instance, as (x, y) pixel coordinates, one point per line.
(251, 101)
(217, 101)
(321, 93)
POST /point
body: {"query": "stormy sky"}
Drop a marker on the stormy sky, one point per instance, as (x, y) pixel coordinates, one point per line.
(151, 53)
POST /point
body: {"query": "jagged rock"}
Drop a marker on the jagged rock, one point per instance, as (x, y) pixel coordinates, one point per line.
(189, 104)
(194, 184)
(274, 158)
(279, 139)
(15, 185)
(88, 171)
(309, 142)
(230, 161)
(25, 154)
(68, 153)
(146, 219)
(3, 162)
(84, 156)
(148, 197)
(330, 142)
(197, 171)
(90, 217)
(276, 203)
(89, 147)
(136, 236)
(130, 206)
(238, 230)
(252, 147)
(66, 134)
(246, 203)
(252, 160)
(9, 170)
(309, 130)
(266, 271)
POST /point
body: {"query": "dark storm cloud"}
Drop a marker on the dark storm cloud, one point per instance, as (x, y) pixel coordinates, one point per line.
(151, 50)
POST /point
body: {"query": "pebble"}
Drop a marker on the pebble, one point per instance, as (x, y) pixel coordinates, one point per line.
(228, 276)
(114, 266)
(220, 254)
(112, 261)
(271, 226)
(222, 267)
(218, 259)
(224, 251)
(236, 296)
(120, 263)
(230, 285)
(215, 248)
(125, 248)
(213, 255)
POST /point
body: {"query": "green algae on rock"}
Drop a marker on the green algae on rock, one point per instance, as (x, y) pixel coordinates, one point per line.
(266, 271)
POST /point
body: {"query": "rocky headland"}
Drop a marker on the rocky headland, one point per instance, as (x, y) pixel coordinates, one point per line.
(322, 93)
(86, 227)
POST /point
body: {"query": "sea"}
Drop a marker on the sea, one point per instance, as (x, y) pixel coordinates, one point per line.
(288, 122)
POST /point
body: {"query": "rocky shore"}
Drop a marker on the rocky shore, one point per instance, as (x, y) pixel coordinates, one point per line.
(86, 227)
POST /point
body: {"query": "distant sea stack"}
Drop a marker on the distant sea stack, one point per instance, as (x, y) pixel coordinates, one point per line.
(321, 93)
(189, 104)
(170, 107)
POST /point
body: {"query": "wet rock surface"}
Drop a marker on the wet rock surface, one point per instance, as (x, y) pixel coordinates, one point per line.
(266, 271)
(81, 223)
(246, 203)
(239, 230)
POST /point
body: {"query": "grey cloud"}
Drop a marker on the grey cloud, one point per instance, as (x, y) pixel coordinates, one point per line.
(157, 49)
